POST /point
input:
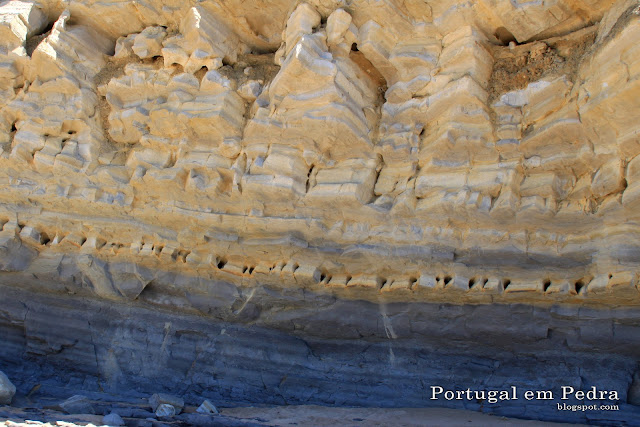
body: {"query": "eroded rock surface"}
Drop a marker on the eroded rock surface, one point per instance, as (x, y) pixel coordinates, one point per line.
(376, 150)
(211, 158)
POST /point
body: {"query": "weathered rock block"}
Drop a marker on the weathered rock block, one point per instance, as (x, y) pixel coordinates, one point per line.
(7, 389)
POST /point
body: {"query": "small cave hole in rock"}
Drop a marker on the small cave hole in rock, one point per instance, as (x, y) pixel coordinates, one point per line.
(221, 263)
(44, 239)
(412, 281)
(546, 285)
(147, 291)
(200, 73)
(447, 280)
(83, 241)
(183, 255)
(471, 283)
(504, 36)
(506, 283)
(348, 279)
(610, 276)
(579, 285)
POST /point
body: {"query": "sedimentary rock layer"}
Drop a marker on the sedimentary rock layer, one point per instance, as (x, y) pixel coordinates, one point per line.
(309, 171)
(376, 148)
(327, 351)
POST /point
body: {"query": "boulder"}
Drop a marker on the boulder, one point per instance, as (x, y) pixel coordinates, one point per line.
(165, 410)
(207, 408)
(112, 419)
(77, 404)
(7, 390)
(162, 398)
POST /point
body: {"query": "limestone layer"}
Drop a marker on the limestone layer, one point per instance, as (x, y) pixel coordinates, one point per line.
(397, 148)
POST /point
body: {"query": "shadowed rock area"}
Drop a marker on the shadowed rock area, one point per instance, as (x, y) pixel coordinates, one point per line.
(349, 354)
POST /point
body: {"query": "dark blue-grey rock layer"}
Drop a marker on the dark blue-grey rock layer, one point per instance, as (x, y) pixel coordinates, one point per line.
(303, 348)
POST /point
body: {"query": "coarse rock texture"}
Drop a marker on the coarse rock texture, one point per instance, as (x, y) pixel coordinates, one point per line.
(327, 202)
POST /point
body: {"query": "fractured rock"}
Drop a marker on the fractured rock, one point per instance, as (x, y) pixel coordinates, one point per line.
(213, 157)
(148, 43)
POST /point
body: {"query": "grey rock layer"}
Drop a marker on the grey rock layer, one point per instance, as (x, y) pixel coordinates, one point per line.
(348, 353)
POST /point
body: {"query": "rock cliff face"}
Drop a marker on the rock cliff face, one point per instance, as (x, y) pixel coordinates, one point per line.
(335, 202)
